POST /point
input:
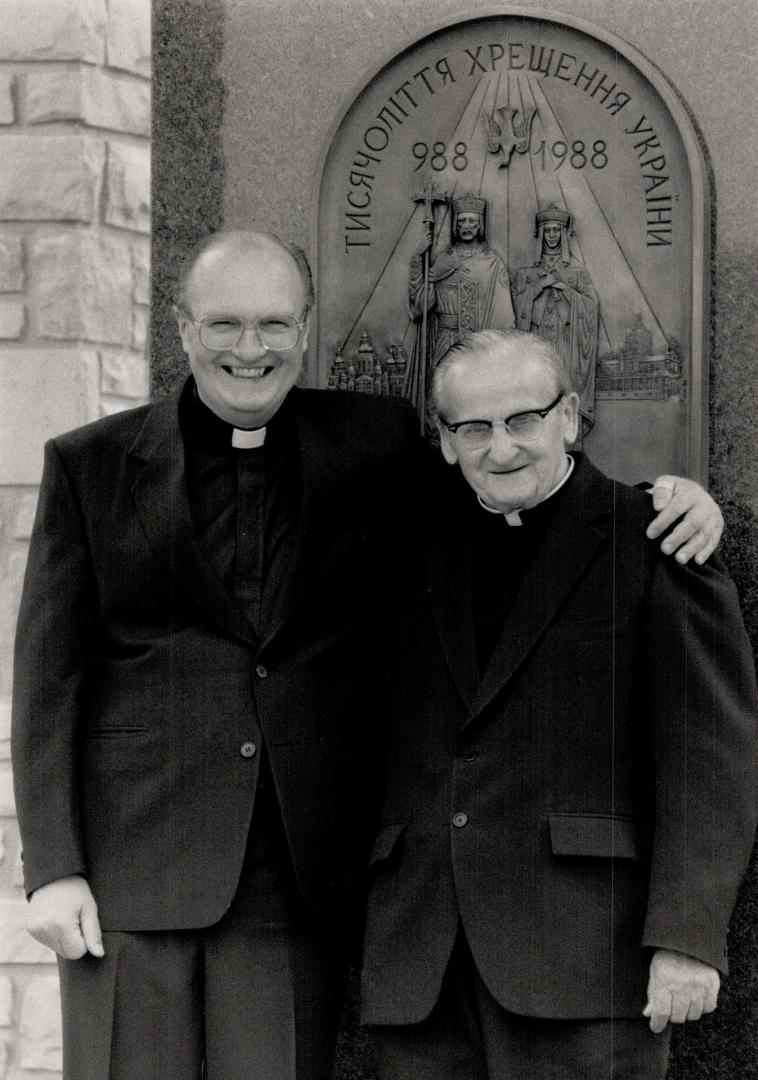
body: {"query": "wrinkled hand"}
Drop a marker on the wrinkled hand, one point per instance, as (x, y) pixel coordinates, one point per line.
(63, 916)
(701, 525)
(679, 988)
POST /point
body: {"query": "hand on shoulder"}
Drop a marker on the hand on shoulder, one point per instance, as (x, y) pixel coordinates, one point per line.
(699, 521)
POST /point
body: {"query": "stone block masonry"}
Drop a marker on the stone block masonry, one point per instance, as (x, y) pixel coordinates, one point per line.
(74, 294)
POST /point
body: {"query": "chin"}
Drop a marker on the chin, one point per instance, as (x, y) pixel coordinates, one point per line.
(254, 399)
(507, 496)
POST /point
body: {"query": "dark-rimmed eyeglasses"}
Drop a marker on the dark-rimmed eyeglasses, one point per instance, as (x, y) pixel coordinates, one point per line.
(523, 426)
(221, 332)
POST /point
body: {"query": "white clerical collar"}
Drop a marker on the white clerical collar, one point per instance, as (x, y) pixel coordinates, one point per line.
(248, 439)
(513, 517)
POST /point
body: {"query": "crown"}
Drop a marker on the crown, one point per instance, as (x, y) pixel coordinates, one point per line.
(553, 213)
(469, 204)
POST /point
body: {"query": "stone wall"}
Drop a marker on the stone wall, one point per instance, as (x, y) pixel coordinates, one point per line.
(74, 294)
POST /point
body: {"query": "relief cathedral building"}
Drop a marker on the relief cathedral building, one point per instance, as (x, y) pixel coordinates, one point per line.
(366, 372)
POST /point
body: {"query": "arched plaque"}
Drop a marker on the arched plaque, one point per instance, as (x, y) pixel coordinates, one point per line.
(584, 181)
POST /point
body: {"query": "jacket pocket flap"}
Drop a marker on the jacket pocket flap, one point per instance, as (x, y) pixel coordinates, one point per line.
(386, 840)
(603, 835)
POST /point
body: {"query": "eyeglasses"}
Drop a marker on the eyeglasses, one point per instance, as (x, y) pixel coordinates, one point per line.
(221, 332)
(524, 426)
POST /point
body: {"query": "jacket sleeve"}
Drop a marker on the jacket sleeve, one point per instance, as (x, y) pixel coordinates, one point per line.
(702, 696)
(54, 626)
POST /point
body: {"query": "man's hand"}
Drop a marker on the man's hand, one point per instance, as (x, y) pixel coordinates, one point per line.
(63, 916)
(679, 988)
(699, 531)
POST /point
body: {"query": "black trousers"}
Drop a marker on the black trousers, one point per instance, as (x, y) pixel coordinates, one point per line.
(240, 1000)
(470, 1037)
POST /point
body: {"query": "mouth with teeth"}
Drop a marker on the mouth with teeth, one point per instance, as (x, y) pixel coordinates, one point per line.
(246, 372)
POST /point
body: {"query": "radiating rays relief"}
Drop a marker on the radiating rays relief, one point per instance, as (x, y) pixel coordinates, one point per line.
(588, 193)
(532, 180)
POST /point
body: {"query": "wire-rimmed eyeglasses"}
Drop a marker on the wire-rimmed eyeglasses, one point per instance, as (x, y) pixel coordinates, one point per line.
(523, 426)
(221, 332)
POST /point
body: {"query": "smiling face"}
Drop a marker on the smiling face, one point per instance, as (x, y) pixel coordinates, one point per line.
(245, 385)
(507, 474)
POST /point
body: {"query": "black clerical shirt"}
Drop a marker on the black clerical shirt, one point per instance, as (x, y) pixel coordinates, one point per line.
(500, 556)
(245, 505)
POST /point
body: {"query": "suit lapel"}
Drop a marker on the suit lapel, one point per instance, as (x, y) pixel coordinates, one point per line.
(567, 547)
(158, 487)
(322, 459)
(449, 548)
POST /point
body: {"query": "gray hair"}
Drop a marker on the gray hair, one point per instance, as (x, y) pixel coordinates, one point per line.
(505, 345)
(239, 240)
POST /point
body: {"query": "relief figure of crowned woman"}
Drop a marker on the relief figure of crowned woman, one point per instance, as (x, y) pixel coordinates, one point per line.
(555, 298)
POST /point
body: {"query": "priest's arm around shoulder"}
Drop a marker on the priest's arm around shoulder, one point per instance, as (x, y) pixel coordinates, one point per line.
(586, 707)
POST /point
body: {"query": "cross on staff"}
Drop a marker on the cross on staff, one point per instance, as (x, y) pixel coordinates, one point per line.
(429, 196)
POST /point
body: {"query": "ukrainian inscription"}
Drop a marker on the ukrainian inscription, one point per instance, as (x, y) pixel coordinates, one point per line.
(527, 171)
(504, 135)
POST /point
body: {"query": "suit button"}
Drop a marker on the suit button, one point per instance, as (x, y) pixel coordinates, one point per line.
(459, 820)
(472, 755)
(248, 749)
(261, 671)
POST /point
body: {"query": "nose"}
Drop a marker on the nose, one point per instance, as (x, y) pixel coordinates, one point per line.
(502, 448)
(249, 346)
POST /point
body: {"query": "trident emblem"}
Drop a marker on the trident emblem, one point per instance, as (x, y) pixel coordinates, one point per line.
(506, 134)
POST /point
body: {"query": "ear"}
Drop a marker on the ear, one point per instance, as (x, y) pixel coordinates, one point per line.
(570, 409)
(185, 325)
(447, 445)
(305, 332)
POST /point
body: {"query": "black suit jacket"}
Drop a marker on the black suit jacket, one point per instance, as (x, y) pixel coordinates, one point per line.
(138, 680)
(591, 796)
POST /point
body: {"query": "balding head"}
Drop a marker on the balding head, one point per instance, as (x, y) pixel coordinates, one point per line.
(232, 242)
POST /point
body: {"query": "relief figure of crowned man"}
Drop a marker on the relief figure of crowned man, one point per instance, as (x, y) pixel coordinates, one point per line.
(466, 288)
(555, 298)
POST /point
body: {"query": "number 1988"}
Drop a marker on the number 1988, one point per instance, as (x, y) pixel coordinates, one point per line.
(578, 154)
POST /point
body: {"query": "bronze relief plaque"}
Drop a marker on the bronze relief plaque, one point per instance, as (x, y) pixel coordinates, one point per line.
(523, 170)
